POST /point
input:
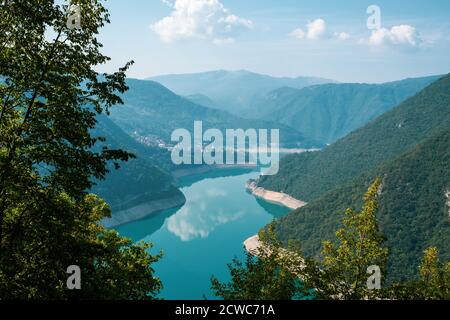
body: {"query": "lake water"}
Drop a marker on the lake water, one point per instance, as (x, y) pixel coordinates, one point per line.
(202, 237)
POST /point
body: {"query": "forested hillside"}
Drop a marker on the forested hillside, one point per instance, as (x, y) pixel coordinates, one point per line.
(330, 111)
(413, 212)
(138, 180)
(308, 176)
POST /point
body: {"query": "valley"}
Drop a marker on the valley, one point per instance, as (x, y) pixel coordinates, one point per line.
(314, 185)
(149, 149)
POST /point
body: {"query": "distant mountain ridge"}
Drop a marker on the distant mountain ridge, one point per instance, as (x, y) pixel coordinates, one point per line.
(232, 91)
(330, 111)
(150, 109)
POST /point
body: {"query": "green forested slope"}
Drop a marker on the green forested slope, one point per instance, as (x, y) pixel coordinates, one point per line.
(310, 175)
(330, 111)
(413, 213)
(138, 180)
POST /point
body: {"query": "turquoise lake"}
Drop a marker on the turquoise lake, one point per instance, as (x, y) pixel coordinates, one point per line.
(200, 238)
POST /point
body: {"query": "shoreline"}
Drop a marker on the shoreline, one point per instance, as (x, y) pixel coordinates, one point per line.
(252, 245)
(279, 198)
(153, 207)
(181, 173)
(143, 210)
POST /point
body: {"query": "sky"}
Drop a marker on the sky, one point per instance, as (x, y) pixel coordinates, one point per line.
(329, 39)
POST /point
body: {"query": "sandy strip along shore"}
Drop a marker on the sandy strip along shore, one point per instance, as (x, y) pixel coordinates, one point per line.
(274, 197)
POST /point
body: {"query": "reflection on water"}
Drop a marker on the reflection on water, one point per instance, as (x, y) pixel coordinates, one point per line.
(275, 210)
(201, 237)
(140, 229)
(195, 220)
(220, 173)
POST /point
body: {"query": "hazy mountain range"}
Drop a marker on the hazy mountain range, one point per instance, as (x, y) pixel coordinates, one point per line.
(152, 110)
(330, 111)
(320, 109)
(231, 91)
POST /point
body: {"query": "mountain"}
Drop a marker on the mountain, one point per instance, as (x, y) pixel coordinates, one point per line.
(330, 111)
(203, 100)
(139, 180)
(233, 91)
(153, 112)
(310, 175)
(413, 213)
(409, 148)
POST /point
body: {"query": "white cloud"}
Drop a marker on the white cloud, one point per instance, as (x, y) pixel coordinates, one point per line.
(168, 2)
(404, 36)
(342, 35)
(298, 33)
(200, 19)
(315, 30)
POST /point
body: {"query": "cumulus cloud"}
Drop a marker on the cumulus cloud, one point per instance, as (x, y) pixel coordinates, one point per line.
(168, 2)
(342, 35)
(298, 33)
(315, 30)
(404, 36)
(200, 19)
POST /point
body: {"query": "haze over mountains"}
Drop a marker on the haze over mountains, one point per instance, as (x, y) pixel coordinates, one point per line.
(330, 111)
(320, 109)
(152, 110)
(232, 91)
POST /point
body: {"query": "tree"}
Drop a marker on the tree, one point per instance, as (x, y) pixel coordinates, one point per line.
(279, 273)
(264, 276)
(432, 284)
(50, 96)
(434, 275)
(343, 274)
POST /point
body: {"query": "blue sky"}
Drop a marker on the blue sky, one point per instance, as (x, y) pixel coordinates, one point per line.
(328, 39)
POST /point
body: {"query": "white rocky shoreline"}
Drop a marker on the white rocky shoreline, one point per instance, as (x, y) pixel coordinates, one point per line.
(273, 196)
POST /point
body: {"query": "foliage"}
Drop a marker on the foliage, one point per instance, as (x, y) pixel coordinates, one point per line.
(412, 210)
(139, 180)
(50, 97)
(343, 271)
(61, 232)
(409, 148)
(433, 283)
(264, 276)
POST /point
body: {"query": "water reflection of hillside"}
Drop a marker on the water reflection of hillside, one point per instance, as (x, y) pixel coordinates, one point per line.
(196, 219)
(217, 173)
(138, 230)
(275, 210)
